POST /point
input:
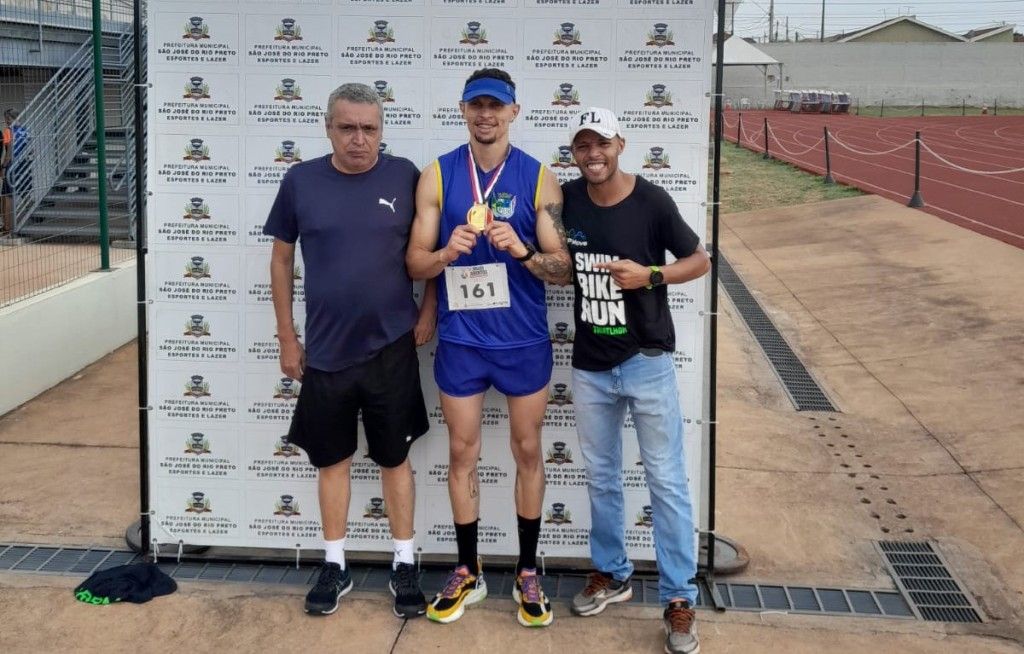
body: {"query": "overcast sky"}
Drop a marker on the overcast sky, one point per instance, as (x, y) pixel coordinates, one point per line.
(956, 16)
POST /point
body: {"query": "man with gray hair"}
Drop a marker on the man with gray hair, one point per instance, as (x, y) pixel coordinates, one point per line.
(352, 211)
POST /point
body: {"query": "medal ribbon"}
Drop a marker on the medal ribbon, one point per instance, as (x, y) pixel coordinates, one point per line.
(478, 197)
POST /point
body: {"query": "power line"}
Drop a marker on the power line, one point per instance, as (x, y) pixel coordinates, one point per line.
(832, 3)
(867, 10)
(1012, 12)
(923, 17)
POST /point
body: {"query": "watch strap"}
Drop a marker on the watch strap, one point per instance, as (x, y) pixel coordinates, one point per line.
(530, 251)
(654, 270)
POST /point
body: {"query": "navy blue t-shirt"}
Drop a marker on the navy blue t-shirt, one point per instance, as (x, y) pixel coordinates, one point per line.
(353, 231)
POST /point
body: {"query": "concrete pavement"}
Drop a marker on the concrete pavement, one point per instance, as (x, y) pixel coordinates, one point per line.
(910, 323)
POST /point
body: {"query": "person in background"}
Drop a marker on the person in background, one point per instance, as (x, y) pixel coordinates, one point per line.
(13, 168)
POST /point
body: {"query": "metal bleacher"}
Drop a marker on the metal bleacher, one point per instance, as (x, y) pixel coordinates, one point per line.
(56, 192)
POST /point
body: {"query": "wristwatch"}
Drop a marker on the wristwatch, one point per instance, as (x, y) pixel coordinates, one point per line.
(530, 251)
(656, 278)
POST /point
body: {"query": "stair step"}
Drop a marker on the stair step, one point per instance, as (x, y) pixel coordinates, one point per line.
(87, 167)
(112, 146)
(91, 159)
(113, 154)
(113, 150)
(62, 185)
(80, 198)
(77, 215)
(118, 231)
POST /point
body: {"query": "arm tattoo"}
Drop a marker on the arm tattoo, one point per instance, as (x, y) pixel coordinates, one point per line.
(553, 267)
(555, 211)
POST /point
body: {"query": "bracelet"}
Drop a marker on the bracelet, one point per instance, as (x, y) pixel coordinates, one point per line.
(530, 251)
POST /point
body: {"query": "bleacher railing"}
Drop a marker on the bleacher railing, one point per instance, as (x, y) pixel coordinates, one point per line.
(117, 14)
(58, 121)
(57, 108)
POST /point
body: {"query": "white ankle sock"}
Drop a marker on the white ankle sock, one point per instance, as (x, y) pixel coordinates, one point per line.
(335, 551)
(404, 552)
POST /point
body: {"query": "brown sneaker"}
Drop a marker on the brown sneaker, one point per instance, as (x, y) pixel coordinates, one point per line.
(680, 632)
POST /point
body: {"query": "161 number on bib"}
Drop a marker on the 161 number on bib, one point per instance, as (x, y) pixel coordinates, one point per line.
(477, 287)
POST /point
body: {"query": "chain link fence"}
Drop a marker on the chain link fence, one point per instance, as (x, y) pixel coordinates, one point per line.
(50, 206)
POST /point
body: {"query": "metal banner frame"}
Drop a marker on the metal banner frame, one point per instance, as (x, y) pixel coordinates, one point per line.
(435, 129)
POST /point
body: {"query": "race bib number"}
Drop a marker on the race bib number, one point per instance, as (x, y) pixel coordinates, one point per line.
(476, 287)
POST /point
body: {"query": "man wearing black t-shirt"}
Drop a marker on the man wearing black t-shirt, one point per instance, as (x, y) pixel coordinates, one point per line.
(618, 227)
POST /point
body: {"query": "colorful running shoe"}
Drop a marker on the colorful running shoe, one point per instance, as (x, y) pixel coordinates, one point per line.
(534, 607)
(460, 590)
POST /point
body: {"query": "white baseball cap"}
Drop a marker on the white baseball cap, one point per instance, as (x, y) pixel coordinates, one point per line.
(596, 119)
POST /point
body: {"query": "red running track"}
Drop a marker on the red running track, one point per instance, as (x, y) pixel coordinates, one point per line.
(867, 153)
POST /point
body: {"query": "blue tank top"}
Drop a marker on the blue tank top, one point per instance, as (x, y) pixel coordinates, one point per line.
(513, 200)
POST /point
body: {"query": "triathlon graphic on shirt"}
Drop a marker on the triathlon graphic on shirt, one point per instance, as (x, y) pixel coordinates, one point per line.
(601, 303)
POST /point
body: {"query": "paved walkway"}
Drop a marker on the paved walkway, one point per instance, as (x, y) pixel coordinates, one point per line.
(30, 268)
(910, 323)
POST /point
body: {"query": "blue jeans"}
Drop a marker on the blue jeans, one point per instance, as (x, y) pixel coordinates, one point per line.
(647, 385)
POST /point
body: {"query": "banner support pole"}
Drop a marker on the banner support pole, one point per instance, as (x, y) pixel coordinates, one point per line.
(140, 276)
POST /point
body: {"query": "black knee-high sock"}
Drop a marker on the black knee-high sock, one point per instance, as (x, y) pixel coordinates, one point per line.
(465, 539)
(529, 534)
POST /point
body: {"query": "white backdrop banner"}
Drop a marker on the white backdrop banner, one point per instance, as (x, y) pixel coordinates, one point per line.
(238, 93)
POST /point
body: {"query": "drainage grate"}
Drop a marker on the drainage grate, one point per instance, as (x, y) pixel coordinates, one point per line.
(81, 562)
(803, 391)
(923, 577)
(817, 601)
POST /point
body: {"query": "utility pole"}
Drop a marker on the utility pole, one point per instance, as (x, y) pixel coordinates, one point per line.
(732, 14)
(787, 29)
(771, 20)
(821, 38)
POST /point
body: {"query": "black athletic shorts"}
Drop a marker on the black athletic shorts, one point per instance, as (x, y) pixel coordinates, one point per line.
(387, 391)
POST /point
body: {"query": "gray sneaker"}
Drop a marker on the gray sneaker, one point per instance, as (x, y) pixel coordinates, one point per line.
(680, 632)
(601, 590)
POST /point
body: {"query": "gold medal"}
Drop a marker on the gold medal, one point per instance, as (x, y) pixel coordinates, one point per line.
(479, 216)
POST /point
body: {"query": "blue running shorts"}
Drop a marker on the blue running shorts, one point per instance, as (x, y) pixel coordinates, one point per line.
(464, 370)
